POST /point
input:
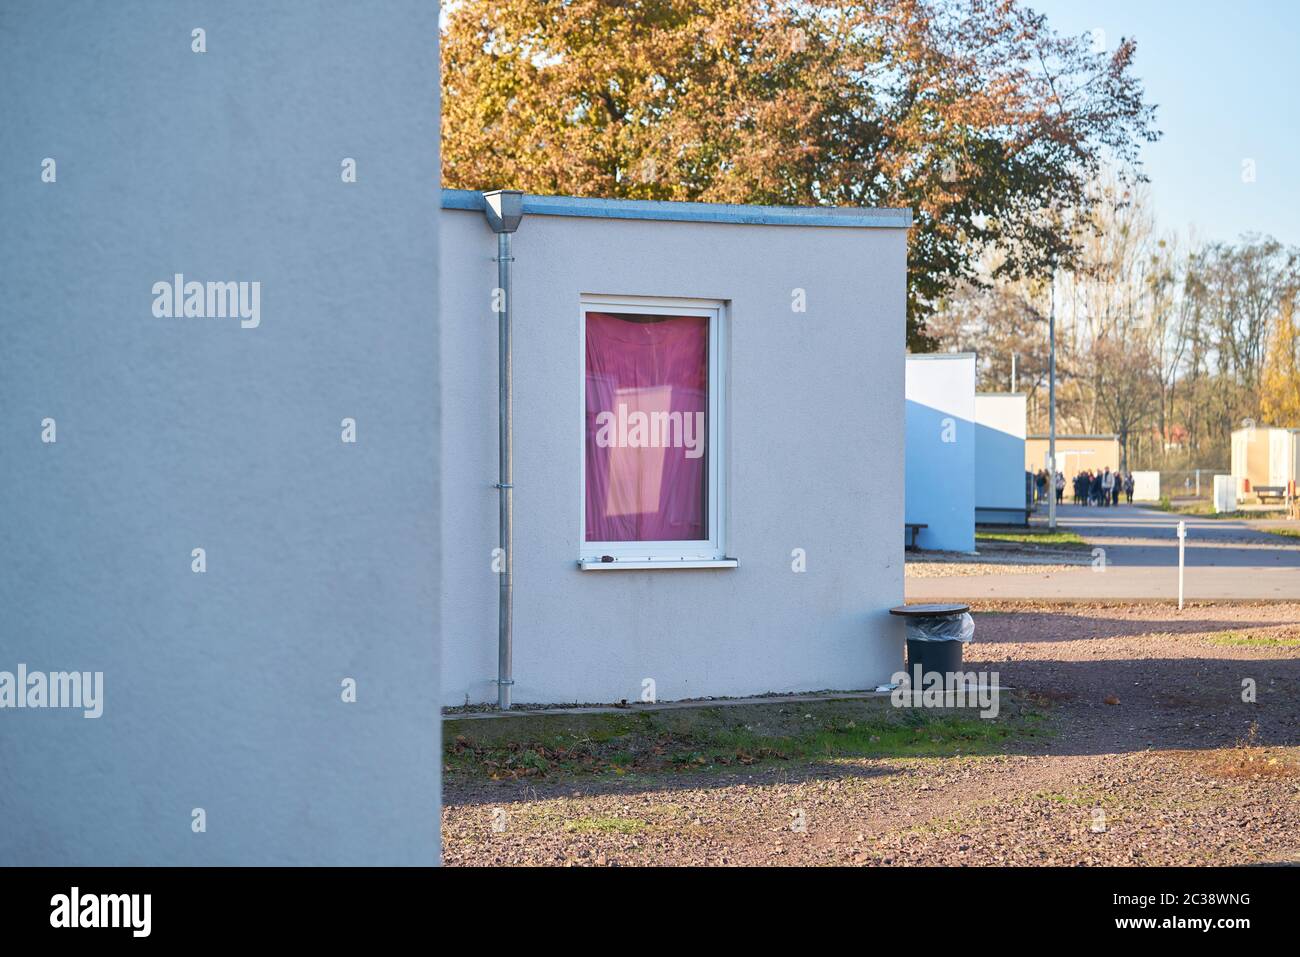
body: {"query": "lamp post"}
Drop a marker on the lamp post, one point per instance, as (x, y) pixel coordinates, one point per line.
(1051, 405)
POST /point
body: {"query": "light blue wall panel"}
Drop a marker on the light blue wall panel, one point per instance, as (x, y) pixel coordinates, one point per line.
(222, 689)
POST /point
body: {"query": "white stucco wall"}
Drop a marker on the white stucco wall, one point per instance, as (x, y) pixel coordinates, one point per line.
(941, 449)
(814, 460)
(224, 737)
(1000, 451)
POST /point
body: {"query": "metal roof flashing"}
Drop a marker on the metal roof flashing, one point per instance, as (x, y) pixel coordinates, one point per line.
(1075, 436)
(860, 218)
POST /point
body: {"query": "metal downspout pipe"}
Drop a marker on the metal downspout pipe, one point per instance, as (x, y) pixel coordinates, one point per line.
(504, 209)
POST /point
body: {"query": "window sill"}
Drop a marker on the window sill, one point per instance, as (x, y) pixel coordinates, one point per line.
(631, 564)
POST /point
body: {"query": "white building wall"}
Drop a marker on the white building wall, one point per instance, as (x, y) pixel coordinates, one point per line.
(1240, 460)
(222, 689)
(814, 461)
(941, 449)
(1281, 458)
(1000, 456)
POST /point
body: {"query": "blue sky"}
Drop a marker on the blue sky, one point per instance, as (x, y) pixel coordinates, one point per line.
(1226, 79)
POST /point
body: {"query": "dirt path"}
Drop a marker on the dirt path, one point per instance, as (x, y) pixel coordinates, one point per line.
(1178, 769)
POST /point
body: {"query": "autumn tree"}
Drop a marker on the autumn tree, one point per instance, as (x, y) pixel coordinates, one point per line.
(1169, 344)
(998, 321)
(1280, 391)
(1246, 285)
(1126, 387)
(974, 113)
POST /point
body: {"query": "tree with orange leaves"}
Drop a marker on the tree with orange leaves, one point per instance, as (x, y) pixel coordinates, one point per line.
(1279, 393)
(973, 113)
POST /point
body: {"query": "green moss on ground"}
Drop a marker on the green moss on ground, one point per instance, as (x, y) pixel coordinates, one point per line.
(1236, 639)
(719, 737)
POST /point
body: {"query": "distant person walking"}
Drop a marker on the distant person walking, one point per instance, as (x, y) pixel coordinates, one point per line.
(1107, 486)
(1128, 487)
(1041, 481)
(1060, 487)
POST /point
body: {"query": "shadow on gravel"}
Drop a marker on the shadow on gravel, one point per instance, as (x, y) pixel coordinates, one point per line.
(1060, 624)
(1203, 682)
(1199, 682)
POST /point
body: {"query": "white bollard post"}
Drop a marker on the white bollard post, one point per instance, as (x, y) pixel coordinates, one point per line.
(1182, 539)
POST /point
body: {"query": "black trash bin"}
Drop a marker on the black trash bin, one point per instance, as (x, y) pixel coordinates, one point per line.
(935, 635)
(941, 656)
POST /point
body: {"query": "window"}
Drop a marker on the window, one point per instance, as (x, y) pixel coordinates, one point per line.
(652, 421)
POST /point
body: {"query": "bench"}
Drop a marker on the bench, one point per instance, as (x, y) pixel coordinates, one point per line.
(912, 529)
(1263, 492)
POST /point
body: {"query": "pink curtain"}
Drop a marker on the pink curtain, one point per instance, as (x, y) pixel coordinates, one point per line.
(647, 404)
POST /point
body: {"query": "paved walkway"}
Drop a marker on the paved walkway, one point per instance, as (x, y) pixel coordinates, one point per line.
(1225, 559)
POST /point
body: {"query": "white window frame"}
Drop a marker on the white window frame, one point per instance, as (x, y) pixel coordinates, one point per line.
(704, 553)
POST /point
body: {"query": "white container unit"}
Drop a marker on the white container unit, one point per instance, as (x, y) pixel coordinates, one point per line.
(708, 449)
(941, 449)
(1000, 458)
(1225, 498)
(1264, 462)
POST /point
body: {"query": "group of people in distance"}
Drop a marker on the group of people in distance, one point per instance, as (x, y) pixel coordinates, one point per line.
(1102, 488)
(1090, 488)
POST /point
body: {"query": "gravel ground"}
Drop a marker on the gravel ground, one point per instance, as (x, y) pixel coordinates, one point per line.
(995, 558)
(1155, 759)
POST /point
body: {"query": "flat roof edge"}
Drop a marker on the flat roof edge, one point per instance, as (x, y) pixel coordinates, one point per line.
(1062, 435)
(860, 218)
